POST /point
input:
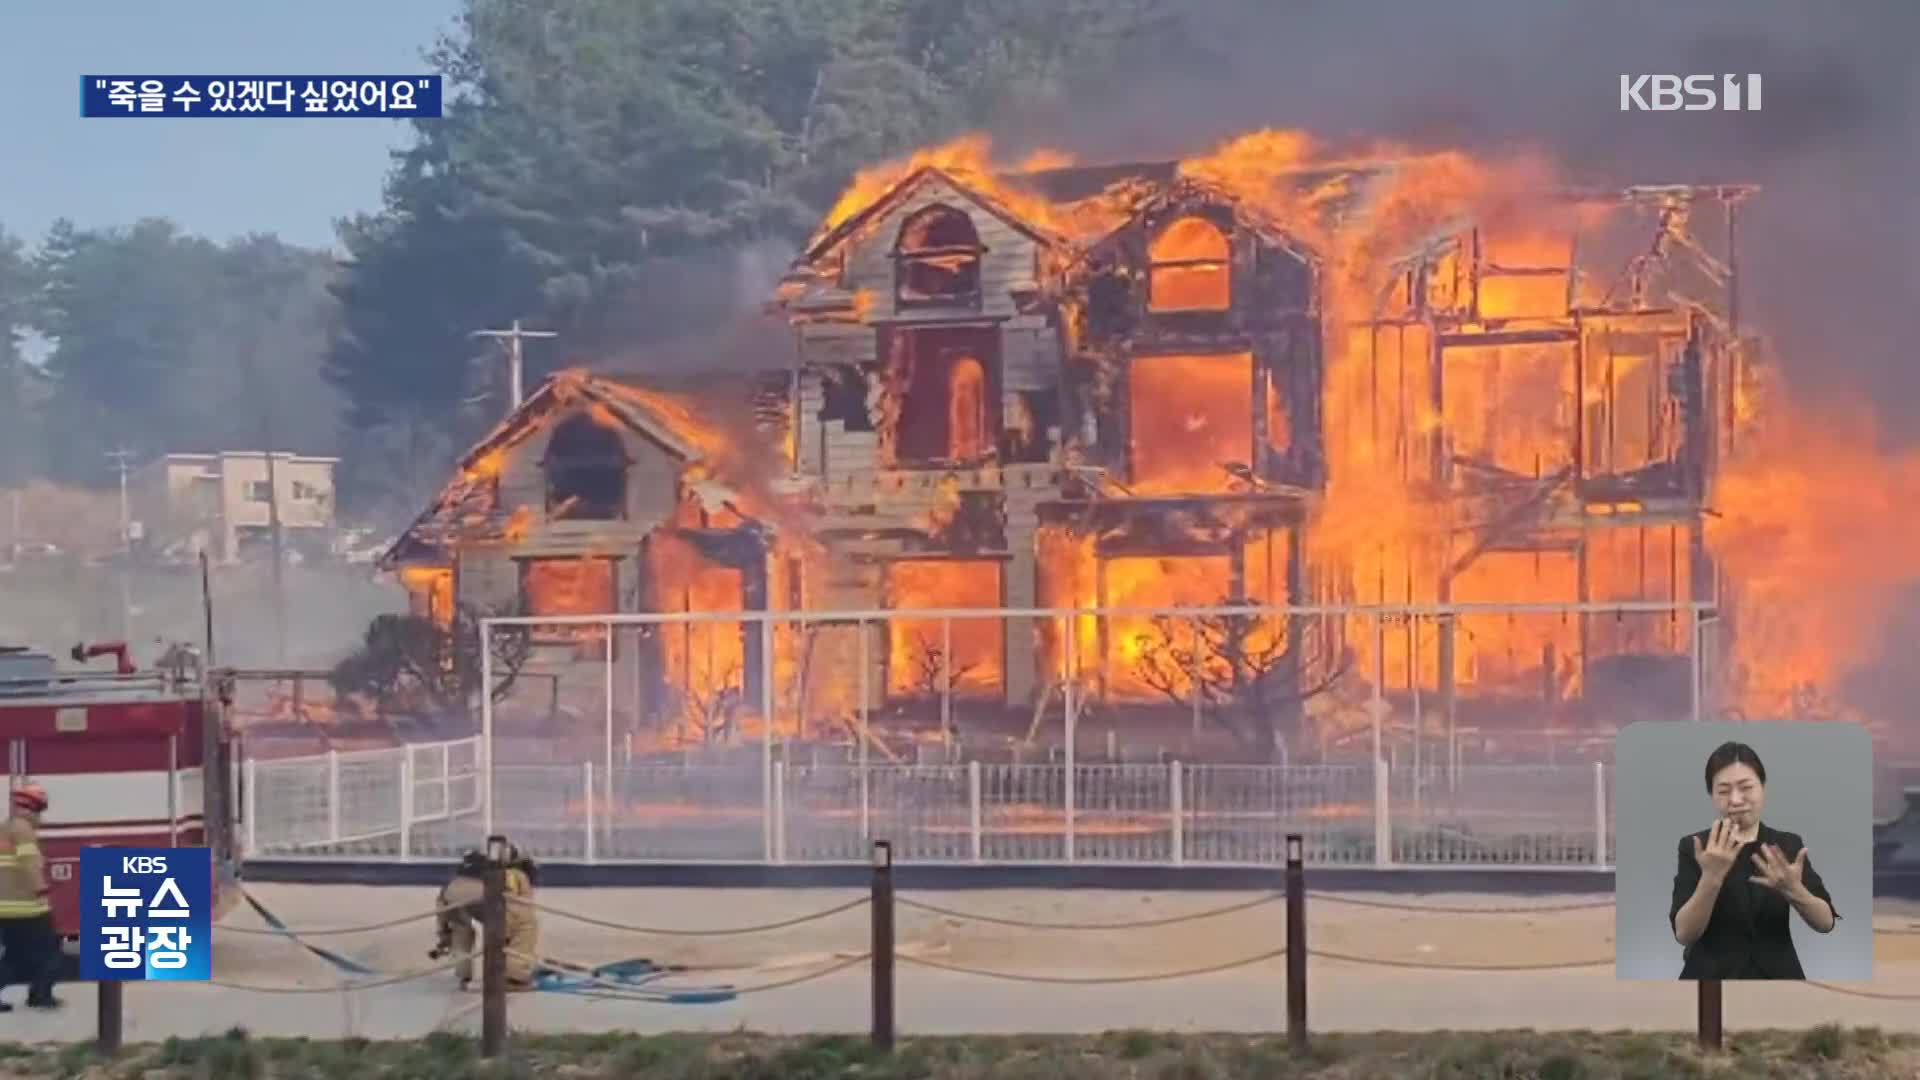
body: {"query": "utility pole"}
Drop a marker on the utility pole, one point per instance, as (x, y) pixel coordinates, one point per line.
(515, 359)
(120, 455)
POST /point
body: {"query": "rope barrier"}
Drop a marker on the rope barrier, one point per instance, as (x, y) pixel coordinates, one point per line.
(1137, 924)
(659, 931)
(368, 928)
(1095, 980)
(1419, 966)
(1850, 992)
(1443, 909)
(349, 986)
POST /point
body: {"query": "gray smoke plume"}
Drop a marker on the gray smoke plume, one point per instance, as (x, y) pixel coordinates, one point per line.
(1827, 249)
(1828, 246)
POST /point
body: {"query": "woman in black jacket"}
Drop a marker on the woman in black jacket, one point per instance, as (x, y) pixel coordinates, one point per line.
(1737, 881)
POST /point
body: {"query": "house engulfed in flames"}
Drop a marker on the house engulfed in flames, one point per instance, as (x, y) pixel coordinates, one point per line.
(1251, 378)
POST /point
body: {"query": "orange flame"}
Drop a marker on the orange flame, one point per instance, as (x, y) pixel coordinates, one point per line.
(1814, 528)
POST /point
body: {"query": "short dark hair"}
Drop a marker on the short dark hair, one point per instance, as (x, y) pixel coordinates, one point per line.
(1733, 753)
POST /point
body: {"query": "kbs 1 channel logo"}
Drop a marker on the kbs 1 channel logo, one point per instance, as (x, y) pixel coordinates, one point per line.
(389, 97)
(1689, 93)
(146, 914)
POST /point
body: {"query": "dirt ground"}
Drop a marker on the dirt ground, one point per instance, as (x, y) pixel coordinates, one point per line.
(274, 987)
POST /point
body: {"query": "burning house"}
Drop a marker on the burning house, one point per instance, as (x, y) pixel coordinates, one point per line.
(1258, 379)
(1255, 378)
(599, 496)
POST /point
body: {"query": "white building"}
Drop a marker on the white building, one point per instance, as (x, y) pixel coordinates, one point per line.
(222, 503)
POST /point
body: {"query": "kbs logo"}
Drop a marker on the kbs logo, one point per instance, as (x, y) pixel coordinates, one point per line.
(1665, 93)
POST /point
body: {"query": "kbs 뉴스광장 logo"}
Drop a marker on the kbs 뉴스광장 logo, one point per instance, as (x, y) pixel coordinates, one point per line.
(146, 914)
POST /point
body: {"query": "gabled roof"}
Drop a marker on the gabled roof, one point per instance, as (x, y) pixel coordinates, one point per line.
(1187, 189)
(912, 183)
(467, 500)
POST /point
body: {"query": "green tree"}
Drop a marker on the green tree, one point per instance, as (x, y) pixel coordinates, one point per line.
(165, 342)
(20, 381)
(586, 142)
(125, 310)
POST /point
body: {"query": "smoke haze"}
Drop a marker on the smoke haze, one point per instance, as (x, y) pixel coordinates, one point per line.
(1825, 247)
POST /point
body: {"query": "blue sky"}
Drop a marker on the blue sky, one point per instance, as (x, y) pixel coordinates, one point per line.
(292, 177)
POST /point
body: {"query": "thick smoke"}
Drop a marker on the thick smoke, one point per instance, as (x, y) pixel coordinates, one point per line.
(1827, 247)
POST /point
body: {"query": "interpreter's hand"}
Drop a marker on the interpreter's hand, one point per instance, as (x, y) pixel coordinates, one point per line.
(1721, 849)
(1771, 868)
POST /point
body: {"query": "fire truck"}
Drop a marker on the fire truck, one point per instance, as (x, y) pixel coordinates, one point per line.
(128, 758)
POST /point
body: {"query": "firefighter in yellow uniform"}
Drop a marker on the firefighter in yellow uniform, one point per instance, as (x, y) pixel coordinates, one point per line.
(457, 922)
(523, 924)
(26, 918)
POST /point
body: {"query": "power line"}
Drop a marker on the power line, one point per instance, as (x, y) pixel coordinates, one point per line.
(515, 360)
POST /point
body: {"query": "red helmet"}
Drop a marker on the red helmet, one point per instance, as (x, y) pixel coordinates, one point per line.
(31, 797)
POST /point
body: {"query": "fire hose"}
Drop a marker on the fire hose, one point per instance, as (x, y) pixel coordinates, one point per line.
(629, 980)
(351, 967)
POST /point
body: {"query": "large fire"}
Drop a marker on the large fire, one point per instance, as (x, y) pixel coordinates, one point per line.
(1439, 431)
(1806, 515)
(1815, 526)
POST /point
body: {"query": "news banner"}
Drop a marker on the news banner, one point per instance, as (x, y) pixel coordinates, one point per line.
(146, 914)
(389, 96)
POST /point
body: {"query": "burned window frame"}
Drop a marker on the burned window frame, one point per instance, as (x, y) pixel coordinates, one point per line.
(553, 467)
(590, 638)
(1224, 265)
(896, 616)
(971, 254)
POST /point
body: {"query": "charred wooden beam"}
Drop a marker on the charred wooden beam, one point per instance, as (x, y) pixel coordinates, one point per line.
(1482, 339)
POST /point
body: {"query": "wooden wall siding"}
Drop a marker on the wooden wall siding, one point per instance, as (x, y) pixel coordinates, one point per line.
(486, 578)
(1008, 265)
(1030, 355)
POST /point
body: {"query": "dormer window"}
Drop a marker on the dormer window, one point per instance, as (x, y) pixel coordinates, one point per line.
(586, 467)
(1191, 268)
(937, 260)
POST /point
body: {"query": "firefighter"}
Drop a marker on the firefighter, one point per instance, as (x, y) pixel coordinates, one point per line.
(26, 918)
(523, 925)
(457, 924)
(459, 921)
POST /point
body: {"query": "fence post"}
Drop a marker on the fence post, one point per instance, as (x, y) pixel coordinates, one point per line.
(586, 789)
(779, 812)
(973, 810)
(1177, 809)
(1711, 1030)
(1599, 813)
(251, 804)
(882, 959)
(493, 952)
(1296, 943)
(110, 1015)
(1382, 815)
(333, 796)
(406, 801)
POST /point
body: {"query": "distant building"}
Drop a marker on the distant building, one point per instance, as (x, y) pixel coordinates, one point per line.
(220, 503)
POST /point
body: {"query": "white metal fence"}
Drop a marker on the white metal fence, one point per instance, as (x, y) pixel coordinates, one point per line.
(421, 798)
(426, 801)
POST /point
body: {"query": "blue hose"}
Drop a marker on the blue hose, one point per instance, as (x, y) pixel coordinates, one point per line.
(630, 980)
(341, 963)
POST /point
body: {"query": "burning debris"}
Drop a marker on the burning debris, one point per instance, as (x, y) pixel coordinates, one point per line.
(1270, 375)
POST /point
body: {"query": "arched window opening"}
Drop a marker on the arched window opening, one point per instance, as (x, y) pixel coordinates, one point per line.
(937, 259)
(586, 471)
(1191, 268)
(966, 409)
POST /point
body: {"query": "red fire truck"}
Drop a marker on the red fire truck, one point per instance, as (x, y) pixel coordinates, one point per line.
(128, 758)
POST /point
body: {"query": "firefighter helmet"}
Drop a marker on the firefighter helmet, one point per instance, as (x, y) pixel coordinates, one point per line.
(31, 796)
